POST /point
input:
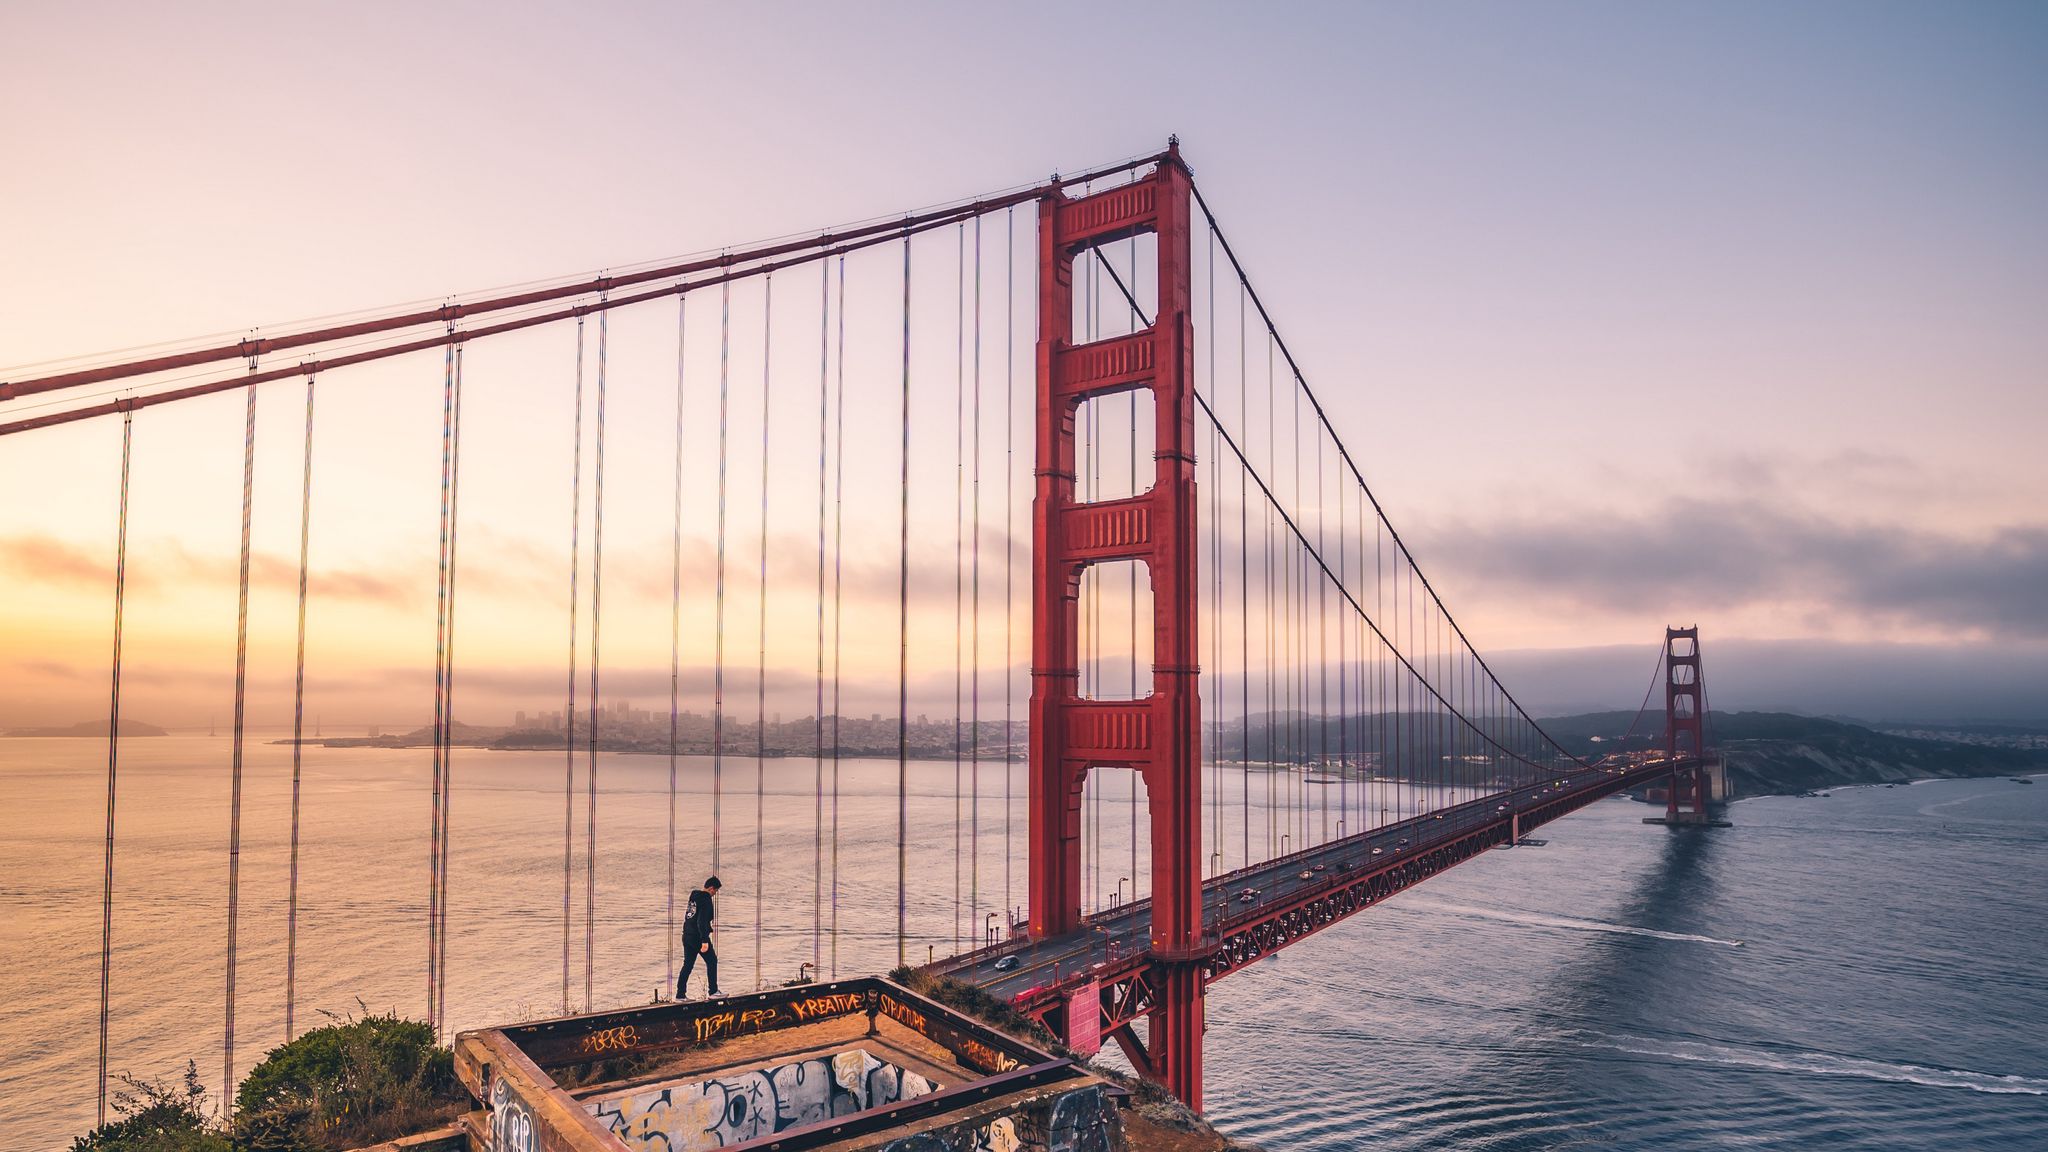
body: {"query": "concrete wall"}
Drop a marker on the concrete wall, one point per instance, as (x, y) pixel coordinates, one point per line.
(1078, 1120)
(740, 1106)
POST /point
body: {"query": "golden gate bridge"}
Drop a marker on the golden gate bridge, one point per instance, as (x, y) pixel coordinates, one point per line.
(1291, 630)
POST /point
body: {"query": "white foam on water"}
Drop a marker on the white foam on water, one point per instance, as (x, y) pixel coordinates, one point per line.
(1568, 923)
(1820, 1064)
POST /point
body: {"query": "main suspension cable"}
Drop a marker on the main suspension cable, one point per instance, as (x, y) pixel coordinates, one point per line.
(1644, 708)
(1358, 476)
(1310, 550)
(862, 235)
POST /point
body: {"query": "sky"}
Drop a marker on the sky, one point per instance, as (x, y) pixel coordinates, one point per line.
(1632, 316)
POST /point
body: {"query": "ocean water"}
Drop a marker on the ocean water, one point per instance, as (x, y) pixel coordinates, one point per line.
(1865, 971)
(1862, 971)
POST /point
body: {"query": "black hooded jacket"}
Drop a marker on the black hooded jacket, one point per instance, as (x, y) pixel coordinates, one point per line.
(697, 918)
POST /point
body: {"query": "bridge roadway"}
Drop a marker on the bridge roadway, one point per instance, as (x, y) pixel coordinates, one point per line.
(1117, 940)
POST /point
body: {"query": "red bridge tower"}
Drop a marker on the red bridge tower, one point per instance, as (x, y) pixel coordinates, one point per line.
(1684, 732)
(1157, 735)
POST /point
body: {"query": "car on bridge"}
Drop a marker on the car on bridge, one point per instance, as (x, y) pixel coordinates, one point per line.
(1305, 874)
(1006, 963)
(1247, 896)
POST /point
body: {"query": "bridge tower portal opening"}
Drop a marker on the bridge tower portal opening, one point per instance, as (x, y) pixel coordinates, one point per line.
(1157, 734)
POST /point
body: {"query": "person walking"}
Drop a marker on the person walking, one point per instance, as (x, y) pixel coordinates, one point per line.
(697, 941)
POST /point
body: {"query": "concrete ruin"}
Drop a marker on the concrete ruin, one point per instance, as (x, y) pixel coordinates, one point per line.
(853, 1064)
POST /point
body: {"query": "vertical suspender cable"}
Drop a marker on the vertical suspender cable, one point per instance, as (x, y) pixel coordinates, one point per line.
(440, 690)
(818, 713)
(569, 710)
(235, 787)
(761, 651)
(675, 632)
(959, 511)
(1322, 659)
(718, 641)
(448, 705)
(903, 637)
(1244, 583)
(596, 622)
(1343, 669)
(114, 760)
(1420, 743)
(838, 523)
(1272, 458)
(974, 631)
(1215, 601)
(1009, 508)
(1092, 458)
(1138, 321)
(1297, 640)
(291, 918)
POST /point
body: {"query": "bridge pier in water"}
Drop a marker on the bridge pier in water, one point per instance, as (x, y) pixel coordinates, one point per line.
(1157, 735)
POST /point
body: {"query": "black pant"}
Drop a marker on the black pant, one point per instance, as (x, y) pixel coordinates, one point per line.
(690, 955)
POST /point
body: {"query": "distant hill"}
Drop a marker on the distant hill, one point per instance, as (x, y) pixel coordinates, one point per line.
(90, 728)
(1777, 753)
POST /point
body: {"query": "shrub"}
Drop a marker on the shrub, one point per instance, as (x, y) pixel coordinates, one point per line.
(156, 1117)
(972, 1001)
(355, 1082)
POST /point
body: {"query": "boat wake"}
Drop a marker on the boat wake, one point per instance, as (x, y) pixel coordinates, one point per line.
(1569, 924)
(1816, 1064)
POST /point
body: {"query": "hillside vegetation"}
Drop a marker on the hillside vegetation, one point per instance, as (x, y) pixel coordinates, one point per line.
(1778, 753)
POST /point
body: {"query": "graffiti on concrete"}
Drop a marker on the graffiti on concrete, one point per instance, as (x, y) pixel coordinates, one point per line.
(999, 1136)
(621, 1039)
(1082, 1120)
(511, 1121)
(969, 1050)
(741, 1106)
(746, 1021)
